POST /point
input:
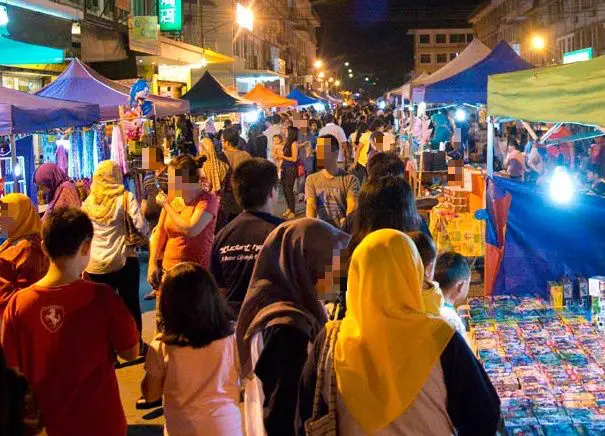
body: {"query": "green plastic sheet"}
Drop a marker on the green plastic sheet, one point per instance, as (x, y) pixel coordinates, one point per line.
(572, 93)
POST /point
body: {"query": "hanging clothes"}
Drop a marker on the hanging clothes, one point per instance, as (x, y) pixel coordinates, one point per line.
(49, 148)
(62, 158)
(75, 170)
(118, 152)
(88, 146)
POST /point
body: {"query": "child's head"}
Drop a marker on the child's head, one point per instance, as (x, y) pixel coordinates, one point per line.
(193, 312)
(67, 235)
(428, 253)
(453, 274)
(278, 140)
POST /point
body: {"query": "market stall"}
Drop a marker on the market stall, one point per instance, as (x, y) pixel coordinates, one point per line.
(404, 91)
(81, 83)
(21, 114)
(541, 233)
(208, 96)
(266, 98)
(301, 98)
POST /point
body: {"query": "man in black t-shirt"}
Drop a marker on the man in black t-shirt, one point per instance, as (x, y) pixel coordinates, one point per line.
(237, 245)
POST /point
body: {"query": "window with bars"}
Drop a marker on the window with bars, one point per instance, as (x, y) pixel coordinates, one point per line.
(425, 58)
(424, 39)
(441, 58)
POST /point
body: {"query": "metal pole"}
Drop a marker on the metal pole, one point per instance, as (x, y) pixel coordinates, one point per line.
(490, 147)
(16, 187)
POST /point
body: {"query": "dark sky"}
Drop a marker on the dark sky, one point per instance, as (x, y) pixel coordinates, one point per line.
(372, 34)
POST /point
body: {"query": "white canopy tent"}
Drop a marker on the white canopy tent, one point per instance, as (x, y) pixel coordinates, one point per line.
(405, 89)
(475, 52)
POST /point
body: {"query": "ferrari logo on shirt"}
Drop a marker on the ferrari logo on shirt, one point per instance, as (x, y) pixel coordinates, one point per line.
(52, 317)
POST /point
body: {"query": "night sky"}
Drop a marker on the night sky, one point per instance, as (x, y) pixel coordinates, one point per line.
(372, 34)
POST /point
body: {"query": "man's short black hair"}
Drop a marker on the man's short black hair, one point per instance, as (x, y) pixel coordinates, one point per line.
(275, 119)
(227, 124)
(334, 146)
(329, 118)
(451, 267)
(231, 135)
(253, 181)
(385, 164)
(64, 231)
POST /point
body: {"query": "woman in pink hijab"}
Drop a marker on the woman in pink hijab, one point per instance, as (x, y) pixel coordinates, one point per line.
(57, 187)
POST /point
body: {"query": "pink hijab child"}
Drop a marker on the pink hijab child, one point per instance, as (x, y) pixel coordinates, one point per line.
(57, 187)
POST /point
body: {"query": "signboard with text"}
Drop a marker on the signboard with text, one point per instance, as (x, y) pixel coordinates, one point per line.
(170, 15)
(144, 34)
(577, 56)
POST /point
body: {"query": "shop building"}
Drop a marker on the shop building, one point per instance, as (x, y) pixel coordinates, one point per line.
(276, 47)
(433, 48)
(564, 26)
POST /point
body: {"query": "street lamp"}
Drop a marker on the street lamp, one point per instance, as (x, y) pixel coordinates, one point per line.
(322, 74)
(331, 79)
(244, 17)
(367, 79)
(346, 64)
(538, 42)
(337, 83)
(351, 76)
(350, 70)
(318, 64)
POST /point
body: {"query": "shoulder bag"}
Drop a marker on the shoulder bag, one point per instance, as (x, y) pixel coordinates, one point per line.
(133, 236)
(326, 425)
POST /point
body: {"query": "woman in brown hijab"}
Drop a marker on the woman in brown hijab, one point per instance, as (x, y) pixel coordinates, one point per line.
(281, 314)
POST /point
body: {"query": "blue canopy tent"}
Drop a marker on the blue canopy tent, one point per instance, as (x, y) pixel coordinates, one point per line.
(81, 83)
(26, 113)
(470, 85)
(302, 99)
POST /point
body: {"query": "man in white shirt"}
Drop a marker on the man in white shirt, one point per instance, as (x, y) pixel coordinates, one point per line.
(274, 129)
(453, 274)
(335, 130)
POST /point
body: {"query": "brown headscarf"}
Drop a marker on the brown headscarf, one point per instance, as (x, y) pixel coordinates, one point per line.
(282, 289)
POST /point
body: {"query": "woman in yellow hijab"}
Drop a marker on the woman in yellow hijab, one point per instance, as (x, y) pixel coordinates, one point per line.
(106, 190)
(399, 371)
(22, 260)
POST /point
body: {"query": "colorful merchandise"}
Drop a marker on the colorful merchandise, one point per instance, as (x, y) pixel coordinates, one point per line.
(547, 365)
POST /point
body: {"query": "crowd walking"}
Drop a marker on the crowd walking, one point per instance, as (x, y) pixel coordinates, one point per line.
(339, 314)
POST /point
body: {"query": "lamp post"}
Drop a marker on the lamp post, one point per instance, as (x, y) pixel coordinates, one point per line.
(538, 44)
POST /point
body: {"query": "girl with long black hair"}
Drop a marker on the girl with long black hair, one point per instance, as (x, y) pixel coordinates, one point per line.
(288, 177)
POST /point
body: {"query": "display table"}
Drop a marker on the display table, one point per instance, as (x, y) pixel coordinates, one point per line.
(547, 366)
(460, 232)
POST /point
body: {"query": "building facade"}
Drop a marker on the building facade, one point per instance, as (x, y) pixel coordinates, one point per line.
(565, 25)
(433, 48)
(277, 50)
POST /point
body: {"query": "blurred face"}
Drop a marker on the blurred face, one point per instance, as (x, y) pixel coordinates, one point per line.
(324, 153)
(300, 123)
(178, 184)
(328, 284)
(8, 214)
(151, 159)
(429, 271)
(379, 143)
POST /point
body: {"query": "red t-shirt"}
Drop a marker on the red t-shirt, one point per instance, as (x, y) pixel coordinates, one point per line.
(181, 248)
(62, 339)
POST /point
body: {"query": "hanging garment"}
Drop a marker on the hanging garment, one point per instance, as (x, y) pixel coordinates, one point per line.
(88, 163)
(118, 152)
(61, 158)
(49, 148)
(75, 170)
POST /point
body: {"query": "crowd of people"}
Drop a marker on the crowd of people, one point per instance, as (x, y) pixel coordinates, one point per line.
(338, 315)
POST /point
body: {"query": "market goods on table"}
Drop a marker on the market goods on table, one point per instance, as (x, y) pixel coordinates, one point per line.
(547, 365)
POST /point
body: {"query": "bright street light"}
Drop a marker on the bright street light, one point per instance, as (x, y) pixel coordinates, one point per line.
(367, 79)
(538, 42)
(351, 76)
(318, 63)
(350, 70)
(346, 64)
(337, 83)
(331, 79)
(244, 17)
(322, 74)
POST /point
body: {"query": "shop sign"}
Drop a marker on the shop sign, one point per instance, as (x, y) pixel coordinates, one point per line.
(144, 34)
(170, 15)
(279, 66)
(584, 54)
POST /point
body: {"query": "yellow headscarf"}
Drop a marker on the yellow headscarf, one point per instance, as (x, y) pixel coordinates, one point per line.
(387, 346)
(22, 211)
(106, 190)
(214, 169)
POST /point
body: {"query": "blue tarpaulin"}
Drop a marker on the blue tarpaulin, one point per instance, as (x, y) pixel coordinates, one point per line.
(302, 99)
(534, 240)
(470, 85)
(26, 113)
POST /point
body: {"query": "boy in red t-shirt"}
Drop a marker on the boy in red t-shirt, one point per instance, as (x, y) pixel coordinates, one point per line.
(62, 331)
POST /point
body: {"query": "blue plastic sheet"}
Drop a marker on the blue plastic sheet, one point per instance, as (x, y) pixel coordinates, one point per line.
(543, 241)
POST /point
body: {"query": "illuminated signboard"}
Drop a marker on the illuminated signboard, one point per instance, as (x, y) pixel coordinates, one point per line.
(3, 15)
(170, 15)
(577, 56)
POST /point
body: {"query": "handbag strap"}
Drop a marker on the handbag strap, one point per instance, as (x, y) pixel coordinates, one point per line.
(329, 342)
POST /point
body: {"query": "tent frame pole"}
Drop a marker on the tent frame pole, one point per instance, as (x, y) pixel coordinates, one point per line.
(490, 146)
(13, 142)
